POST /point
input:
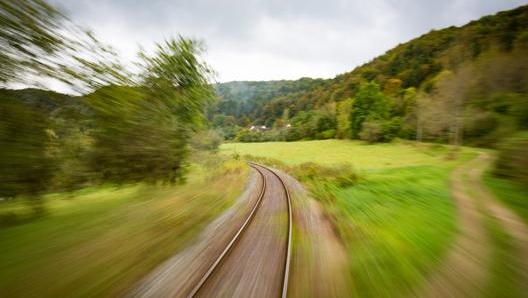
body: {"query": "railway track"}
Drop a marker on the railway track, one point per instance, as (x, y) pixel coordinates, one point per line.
(268, 185)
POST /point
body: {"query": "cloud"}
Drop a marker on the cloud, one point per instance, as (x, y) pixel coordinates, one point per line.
(276, 39)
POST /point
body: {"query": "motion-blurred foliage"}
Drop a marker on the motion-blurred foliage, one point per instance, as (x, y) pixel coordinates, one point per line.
(512, 161)
(128, 128)
(39, 43)
(25, 164)
(142, 132)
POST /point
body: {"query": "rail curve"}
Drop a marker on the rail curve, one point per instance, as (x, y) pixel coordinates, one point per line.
(286, 272)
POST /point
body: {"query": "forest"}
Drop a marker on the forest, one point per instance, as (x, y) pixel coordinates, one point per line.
(457, 83)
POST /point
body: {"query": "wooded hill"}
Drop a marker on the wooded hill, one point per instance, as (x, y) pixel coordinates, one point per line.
(465, 83)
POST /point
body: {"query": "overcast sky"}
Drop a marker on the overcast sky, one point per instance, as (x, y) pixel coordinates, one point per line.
(276, 39)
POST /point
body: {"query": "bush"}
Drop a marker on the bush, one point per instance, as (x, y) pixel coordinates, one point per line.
(512, 162)
(371, 131)
(207, 140)
(342, 175)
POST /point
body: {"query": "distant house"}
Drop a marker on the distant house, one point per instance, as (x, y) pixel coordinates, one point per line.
(258, 128)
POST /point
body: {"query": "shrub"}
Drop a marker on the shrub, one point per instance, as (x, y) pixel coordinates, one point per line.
(207, 140)
(512, 162)
(371, 131)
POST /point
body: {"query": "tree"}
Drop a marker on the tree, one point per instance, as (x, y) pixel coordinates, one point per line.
(452, 90)
(512, 160)
(369, 104)
(38, 43)
(25, 164)
(144, 130)
(343, 109)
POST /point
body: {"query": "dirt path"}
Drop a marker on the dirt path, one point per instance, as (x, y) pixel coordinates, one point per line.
(466, 270)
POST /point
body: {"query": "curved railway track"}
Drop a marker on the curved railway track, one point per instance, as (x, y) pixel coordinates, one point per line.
(226, 253)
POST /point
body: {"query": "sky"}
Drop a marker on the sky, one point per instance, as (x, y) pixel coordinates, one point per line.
(275, 39)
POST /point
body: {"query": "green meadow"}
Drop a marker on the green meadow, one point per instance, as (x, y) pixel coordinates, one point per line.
(361, 156)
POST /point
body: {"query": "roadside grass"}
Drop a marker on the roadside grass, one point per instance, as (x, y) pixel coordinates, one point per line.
(396, 225)
(396, 217)
(512, 194)
(505, 273)
(505, 270)
(98, 242)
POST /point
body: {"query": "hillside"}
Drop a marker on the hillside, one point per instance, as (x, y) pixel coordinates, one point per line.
(474, 74)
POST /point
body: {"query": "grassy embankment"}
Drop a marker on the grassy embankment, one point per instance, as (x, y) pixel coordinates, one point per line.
(396, 222)
(506, 272)
(98, 242)
(512, 194)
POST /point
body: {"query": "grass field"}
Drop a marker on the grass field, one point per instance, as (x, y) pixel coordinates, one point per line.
(396, 222)
(98, 242)
(361, 156)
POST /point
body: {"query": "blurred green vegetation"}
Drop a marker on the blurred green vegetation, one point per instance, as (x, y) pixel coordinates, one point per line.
(99, 241)
(40, 43)
(386, 223)
(505, 270)
(389, 203)
(512, 193)
(117, 134)
(25, 163)
(512, 161)
(124, 128)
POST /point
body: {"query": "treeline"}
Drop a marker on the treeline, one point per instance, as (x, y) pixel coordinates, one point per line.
(128, 128)
(454, 85)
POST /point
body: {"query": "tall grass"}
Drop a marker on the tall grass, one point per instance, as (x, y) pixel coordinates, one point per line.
(396, 225)
(98, 242)
(511, 193)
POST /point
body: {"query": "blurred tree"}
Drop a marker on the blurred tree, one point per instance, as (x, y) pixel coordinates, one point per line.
(143, 132)
(26, 166)
(512, 161)
(38, 42)
(29, 31)
(343, 109)
(207, 140)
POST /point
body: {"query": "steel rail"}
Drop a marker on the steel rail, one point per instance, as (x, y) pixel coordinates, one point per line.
(287, 261)
(229, 246)
(246, 223)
